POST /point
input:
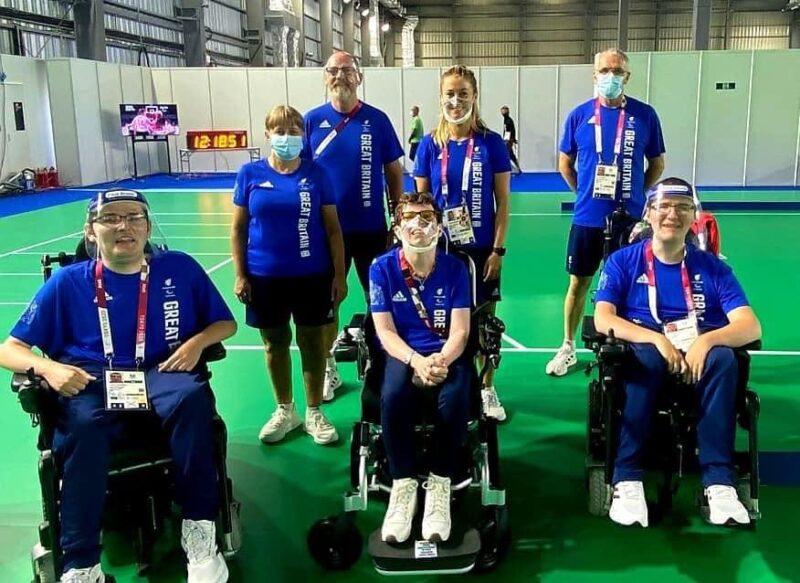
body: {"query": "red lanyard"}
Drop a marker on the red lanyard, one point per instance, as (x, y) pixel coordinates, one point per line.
(466, 171)
(105, 321)
(598, 133)
(337, 130)
(405, 269)
(649, 259)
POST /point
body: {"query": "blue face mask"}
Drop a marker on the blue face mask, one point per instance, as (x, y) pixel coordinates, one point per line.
(610, 85)
(286, 147)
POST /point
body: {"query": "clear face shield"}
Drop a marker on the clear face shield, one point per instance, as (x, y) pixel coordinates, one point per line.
(418, 234)
(677, 204)
(463, 107)
(125, 226)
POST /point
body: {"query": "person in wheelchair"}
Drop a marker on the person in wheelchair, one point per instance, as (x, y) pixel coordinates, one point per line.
(125, 333)
(421, 300)
(682, 311)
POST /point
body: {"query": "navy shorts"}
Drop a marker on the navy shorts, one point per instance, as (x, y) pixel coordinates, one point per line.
(362, 249)
(275, 300)
(584, 250)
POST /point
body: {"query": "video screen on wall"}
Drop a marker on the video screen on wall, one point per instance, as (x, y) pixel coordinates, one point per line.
(142, 120)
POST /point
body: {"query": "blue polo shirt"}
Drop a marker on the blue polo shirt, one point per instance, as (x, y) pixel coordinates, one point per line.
(62, 318)
(641, 138)
(489, 157)
(286, 234)
(354, 160)
(715, 290)
(447, 288)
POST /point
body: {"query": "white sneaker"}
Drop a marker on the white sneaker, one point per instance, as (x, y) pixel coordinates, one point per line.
(283, 420)
(724, 506)
(565, 358)
(491, 404)
(206, 563)
(400, 513)
(85, 575)
(318, 427)
(332, 381)
(629, 505)
(436, 520)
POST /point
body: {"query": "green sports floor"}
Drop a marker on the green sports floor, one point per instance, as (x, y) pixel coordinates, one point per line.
(284, 488)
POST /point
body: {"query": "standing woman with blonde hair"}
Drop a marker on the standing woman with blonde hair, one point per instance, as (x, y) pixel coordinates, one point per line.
(467, 168)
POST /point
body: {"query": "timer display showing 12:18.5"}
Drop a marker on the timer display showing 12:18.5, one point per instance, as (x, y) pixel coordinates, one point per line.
(216, 139)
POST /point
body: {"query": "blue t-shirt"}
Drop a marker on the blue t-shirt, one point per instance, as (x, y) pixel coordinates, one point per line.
(286, 236)
(354, 160)
(641, 138)
(715, 290)
(489, 157)
(62, 318)
(447, 288)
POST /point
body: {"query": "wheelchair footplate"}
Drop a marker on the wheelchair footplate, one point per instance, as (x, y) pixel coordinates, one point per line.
(420, 557)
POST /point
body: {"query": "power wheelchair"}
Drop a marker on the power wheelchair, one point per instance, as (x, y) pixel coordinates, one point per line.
(336, 543)
(139, 494)
(672, 448)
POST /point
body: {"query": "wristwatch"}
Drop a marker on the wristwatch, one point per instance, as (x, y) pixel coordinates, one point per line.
(500, 251)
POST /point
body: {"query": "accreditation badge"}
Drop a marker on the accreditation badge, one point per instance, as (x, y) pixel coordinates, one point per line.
(459, 225)
(682, 333)
(605, 181)
(125, 390)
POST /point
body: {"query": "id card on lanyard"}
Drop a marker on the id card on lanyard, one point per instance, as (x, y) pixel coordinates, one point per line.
(606, 176)
(405, 269)
(457, 219)
(125, 390)
(681, 333)
(337, 130)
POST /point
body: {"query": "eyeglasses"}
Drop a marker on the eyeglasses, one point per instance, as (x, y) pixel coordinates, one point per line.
(682, 208)
(346, 71)
(112, 220)
(427, 215)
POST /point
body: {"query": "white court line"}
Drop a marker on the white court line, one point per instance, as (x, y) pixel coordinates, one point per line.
(512, 342)
(14, 303)
(21, 274)
(21, 249)
(718, 214)
(199, 254)
(218, 265)
(194, 224)
(170, 214)
(199, 237)
(246, 347)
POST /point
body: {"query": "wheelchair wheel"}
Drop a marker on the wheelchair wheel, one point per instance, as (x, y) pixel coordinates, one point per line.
(335, 542)
(495, 539)
(599, 491)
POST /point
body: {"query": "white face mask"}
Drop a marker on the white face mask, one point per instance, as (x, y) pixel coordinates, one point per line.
(452, 103)
(429, 230)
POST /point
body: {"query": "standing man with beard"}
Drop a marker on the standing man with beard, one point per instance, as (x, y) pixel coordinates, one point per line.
(359, 148)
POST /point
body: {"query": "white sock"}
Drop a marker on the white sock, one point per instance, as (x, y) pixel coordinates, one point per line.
(488, 388)
(570, 343)
(287, 406)
(310, 410)
(330, 362)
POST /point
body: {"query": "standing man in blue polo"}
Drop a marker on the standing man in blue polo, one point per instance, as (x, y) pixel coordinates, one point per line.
(358, 147)
(603, 150)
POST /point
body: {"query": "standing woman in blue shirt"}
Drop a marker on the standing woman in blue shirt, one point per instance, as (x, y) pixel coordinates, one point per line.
(466, 167)
(289, 261)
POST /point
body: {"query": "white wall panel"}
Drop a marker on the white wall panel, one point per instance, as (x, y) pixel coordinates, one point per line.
(536, 118)
(154, 151)
(162, 93)
(574, 87)
(116, 145)
(32, 75)
(305, 88)
(190, 91)
(266, 89)
(87, 111)
(420, 88)
(498, 87)
(723, 118)
(133, 92)
(639, 65)
(772, 145)
(676, 104)
(382, 90)
(230, 110)
(62, 111)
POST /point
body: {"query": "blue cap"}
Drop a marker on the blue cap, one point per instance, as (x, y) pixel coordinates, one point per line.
(660, 189)
(116, 195)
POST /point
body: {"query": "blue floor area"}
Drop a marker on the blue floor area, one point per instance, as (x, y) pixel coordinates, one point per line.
(531, 183)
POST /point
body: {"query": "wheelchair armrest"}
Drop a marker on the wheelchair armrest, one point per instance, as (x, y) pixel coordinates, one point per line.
(30, 390)
(214, 353)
